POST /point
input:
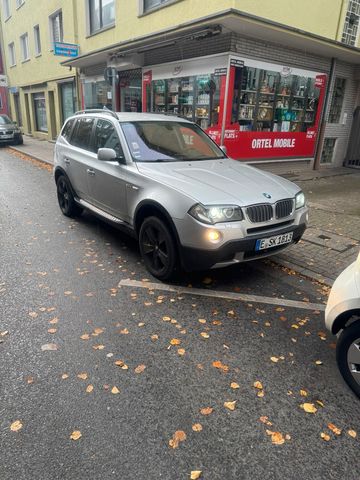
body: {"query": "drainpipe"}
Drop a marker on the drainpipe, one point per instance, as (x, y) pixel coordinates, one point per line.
(320, 141)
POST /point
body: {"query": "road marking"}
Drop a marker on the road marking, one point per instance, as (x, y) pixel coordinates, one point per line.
(242, 297)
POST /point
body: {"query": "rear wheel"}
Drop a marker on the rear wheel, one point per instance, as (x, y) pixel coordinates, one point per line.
(348, 356)
(66, 200)
(158, 248)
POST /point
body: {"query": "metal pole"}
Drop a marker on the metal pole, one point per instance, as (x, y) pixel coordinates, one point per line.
(225, 102)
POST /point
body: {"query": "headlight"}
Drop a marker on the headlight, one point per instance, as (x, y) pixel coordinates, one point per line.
(216, 213)
(299, 200)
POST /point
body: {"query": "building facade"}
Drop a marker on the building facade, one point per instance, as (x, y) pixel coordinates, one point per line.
(272, 82)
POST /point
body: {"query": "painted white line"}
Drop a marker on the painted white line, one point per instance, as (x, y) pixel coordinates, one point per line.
(242, 297)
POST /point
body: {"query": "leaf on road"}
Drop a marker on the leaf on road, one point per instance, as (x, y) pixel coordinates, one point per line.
(124, 331)
(181, 351)
(264, 419)
(303, 393)
(276, 437)
(29, 380)
(206, 411)
(274, 359)
(98, 330)
(52, 330)
(197, 427)
(154, 337)
(16, 426)
(202, 320)
(204, 335)
(98, 347)
(175, 341)
(258, 385)
(49, 347)
(308, 407)
(85, 336)
(140, 368)
(318, 362)
(195, 474)
(64, 376)
(334, 429)
(166, 319)
(352, 433)
(234, 385)
(33, 314)
(260, 393)
(179, 436)
(115, 390)
(325, 436)
(54, 321)
(230, 405)
(220, 366)
(82, 376)
(121, 364)
(76, 434)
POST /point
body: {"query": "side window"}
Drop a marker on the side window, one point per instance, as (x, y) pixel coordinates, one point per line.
(66, 131)
(106, 137)
(81, 136)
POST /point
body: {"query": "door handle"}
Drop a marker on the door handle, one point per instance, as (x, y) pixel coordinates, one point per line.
(67, 161)
(90, 171)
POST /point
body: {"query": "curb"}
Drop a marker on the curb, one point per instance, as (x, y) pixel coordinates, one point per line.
(31, 155)
(305, 272)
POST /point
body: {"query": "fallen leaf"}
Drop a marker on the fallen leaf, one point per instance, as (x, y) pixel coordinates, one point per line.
(33, 314)
(318, 362)
(154, 337)
(204, 335)
(98, 330)
(98, 347)
(276, 437)
(141, 324)
(89, 388)
(195, 474)
(49, 347)
(265, 420)
(82, 376)
(179, 436)
(334, 429)
(140, 368)
(181, 351)
(175, 341)
(54, 321)
(325, 436)
(274, 359)
(16, 426)
(303, 393)
(197, 427)
(29, 380)
(309, 407)
(352, 433)
(219, 365)
(206, 411)
(52, 330)
(260, 393)
(67, 292)
(166, 319)
(121, 364)
(76, 434)
(230, 405)
(234, 385)
(64, 376)
(115, 390)
(258, 385)
(124, 331)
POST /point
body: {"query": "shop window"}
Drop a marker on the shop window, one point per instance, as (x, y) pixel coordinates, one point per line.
(82, 135)
(337, 100)
(40, 112)
(37, 40)
(268, 101)
(351, 25)
(106, 137)
(6, 9)
(12, 57)
(68, 99)
(24, 43)
(196, 98)
(151, 4)
(66, 131)
(56, 27)
(101, 13)
(97, 94)
(328, 150)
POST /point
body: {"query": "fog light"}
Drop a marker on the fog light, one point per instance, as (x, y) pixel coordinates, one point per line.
(214, 236)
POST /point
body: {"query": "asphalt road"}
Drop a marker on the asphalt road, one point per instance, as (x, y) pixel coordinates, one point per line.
(59, 282)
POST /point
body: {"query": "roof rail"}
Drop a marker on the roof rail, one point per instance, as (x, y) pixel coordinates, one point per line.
(98, 110)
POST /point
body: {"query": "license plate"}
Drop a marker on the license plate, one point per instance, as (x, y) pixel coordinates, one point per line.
(6, 137)
(271, 242)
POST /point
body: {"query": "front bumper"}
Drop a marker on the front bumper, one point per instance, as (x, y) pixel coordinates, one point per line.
(235, 251)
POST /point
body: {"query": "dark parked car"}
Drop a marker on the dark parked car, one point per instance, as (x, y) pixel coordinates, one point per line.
(10, 133)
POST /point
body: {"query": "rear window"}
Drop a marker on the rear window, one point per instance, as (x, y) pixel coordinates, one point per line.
(82, 134)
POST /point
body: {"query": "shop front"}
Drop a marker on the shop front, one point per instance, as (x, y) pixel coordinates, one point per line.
(258, 110)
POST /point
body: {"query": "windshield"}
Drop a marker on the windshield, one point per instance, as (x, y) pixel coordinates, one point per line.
(161, 141)
(4, 120)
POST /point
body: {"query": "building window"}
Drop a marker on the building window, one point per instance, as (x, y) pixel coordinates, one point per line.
(150, 4)
(351, 25)
(56, 27)
(328, 150)
(6, 9)
(97, 94)
(40, 112)
(19, 3)
(68, 99)
(12, 57)
(337, 100)
(37, 40)
(102, 14)
(24, 42)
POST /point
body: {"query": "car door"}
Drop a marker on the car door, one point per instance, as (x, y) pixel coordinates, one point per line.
(78, 156)
(108, 184)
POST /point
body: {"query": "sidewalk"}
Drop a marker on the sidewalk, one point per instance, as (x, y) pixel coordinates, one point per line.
(332, 240)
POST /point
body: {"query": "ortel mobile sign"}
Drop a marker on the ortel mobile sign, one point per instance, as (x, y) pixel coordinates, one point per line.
(66, 49)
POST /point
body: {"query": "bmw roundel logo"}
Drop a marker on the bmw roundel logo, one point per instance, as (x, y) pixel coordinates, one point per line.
(267, 195)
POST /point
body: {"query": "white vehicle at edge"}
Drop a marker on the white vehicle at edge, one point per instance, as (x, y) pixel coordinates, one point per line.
(343, 314)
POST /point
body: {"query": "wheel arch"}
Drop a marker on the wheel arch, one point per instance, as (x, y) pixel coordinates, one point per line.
(342, 320)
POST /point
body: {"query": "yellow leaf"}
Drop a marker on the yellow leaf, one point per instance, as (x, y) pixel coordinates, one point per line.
(154, 337)
(166, 319)
(325, 436)
(89, 389)
(33, 314)
(197, 427)
(85, 336)
(124, 331)
(258, 385)
(318, 362)
(206, 411)
(309, 407)
(16, 426)
(76, 434)
(204, 335)
(83, 376)
(265, 420)
(179, 436)
(64, 376)
(352, 433)
(220, 366)
(260, 393)
(195, 474)
(234, 385)
(276, 437)
(230, 405)
(52, 330)
(303, 393)
(334, 429)
(181, 351)
(115, 390)
(274, 359)
(98, 347)
(141, 324)
(175, 341)
(140, 368)
(202, 320)
(98, 330)
(54, 321)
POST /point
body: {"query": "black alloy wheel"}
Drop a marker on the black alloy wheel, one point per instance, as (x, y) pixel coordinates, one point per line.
(348, 356)
(66, 200)
(157, 248)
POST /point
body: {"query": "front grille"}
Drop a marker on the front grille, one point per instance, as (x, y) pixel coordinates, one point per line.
(269, 228)
(260, 213)
(284, 208)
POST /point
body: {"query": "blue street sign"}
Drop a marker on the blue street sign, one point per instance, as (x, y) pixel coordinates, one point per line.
(66, 49)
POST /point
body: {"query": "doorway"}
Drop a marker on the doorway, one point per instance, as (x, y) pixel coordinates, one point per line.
(130, 90)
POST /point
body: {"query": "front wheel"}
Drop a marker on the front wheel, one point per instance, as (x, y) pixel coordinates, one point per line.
(66, 200)
(157, 248)
(348, 356)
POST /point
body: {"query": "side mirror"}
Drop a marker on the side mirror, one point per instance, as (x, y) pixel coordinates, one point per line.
(106, 154)
(224, 149)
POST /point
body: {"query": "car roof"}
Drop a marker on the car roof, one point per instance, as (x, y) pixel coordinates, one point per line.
(132, 116)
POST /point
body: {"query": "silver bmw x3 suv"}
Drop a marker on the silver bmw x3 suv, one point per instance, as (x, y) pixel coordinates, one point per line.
(167, 183)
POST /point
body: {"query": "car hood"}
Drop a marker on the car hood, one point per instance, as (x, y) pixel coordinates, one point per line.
(7, 126)
(220, 181)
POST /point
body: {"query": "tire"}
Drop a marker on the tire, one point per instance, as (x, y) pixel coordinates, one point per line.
(348, 356)
(19, 142)
(158, 248)
(65, 196)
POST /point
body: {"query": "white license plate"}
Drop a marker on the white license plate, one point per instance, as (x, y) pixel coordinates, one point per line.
(271, 242)
(6, 137)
